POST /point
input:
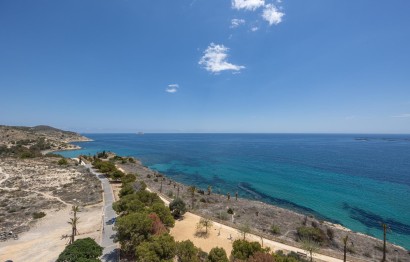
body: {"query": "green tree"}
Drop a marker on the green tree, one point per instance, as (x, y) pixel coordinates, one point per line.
(186, 251)
(128, 203)
(85, 249)
(128, 178)
(242, 249)
(217, 254)
(177, 207)
(163, 213)
(161, 248)
(132, 229)
(261, 257)
(148, 198)
(126, 189)
(204, 222)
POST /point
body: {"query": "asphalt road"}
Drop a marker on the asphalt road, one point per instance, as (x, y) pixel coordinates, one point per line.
(111, 249)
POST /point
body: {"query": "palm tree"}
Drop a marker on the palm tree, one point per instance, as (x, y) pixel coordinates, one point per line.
(73, 222)
(384, 241)
(345, 247)
(209, 190)
(310, 246)
(192, 190)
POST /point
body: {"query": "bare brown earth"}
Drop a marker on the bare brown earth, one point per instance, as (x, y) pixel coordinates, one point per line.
(35, 185)
(44, 243)
(261, 216)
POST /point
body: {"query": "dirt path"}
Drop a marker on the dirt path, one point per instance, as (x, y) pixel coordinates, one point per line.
(223, 236)
(43, 242)
(7, 176)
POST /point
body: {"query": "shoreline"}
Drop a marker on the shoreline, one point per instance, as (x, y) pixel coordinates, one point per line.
(340, 230)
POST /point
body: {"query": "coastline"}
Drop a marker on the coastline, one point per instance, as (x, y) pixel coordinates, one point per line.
(362, 241)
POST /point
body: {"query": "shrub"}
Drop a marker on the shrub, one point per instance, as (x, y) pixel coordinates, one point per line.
(85, 249)
(217, 254)
(230, 211)
(37, 215)
(177, 207)
(315, 234)
(275, 229)
(200, 191)
(242, 249)
(159, 248)
(126, 189)
(261, 257)
(222, 216)
(187, 252)
(330, 233)
(203, 200)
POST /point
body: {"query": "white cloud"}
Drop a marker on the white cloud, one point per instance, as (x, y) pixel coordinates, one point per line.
(172, 88)
(254, 29)
(272, 14)
(247, 4)
(402, 115)
(237, 22)
(214, 59)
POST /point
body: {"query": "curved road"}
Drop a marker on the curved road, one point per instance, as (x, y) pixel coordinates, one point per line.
(111, 249)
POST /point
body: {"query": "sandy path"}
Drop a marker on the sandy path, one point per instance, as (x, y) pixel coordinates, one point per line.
(43, 242)
(223, 236)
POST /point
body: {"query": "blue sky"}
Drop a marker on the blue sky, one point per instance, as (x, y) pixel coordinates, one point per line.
(206, 65)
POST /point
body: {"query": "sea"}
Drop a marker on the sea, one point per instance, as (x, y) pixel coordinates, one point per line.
(356, 180)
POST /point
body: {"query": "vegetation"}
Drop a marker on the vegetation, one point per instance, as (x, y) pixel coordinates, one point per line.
(275, 229)
(62, 162)
(159, 248)
(311, 246)
(37, 215)
(244, 230)
(204, 223)
(187, 252)
(242, 249)
(177, 207)
(313, 233)
(217, 254)
(81, 250)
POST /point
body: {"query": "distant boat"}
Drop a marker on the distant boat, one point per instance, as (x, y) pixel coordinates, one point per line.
(140, 133)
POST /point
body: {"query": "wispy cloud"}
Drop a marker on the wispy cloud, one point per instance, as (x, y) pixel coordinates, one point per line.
(254, 29)
(214, 59)
(402, 116)
(272, 14)
(247, 4)
(237, 22)
(172, 88)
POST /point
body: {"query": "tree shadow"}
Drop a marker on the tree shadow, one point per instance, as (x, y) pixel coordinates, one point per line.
(201, 234)
(112, 256)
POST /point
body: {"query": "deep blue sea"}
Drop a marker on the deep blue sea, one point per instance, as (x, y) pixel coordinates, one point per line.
(358, 181)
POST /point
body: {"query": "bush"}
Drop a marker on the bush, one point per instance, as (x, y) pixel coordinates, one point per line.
(62, 162)
(126, 189)
(261, 257)
(81, 250)
(330, 233)
(222, 216)
(275, 230)
(242, 249)
(187, 252)
(217, 254)
(37, 215)
(230, 211)
(159, 248)
(177, 207)
(315, 234)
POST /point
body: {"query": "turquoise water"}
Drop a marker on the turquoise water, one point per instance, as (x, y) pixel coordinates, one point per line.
(358, 181)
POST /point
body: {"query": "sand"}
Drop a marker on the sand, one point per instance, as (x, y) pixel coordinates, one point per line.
(43, 242)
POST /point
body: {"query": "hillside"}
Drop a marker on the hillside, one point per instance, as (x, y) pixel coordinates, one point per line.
(42, 138)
